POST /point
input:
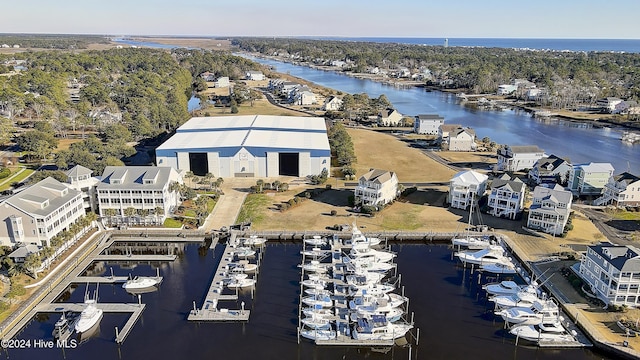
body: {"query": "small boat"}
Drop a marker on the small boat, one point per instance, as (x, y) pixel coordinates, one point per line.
(378, 328)
(240, 283)
(314, 321)
(312, 291)
(254, 240)
(363, 279)
(243, 266)
(244, 252)
(546, 331)
(366, 263)
(90, 315)
(64, 327)
(499, 268)
(316, 240)
(472, 243)
(358, 240)
(378, 255)
(317, 334)
(319, 311)
(392, 315)
(373, 289)
(314, 283)
(315, 252)
(377, 303)
(539, 312)
(519, 299)
(140, 283)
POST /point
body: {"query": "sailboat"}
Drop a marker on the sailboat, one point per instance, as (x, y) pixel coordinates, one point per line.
(468, 241)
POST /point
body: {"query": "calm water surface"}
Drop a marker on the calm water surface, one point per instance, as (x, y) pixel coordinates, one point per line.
(450, 310)
(578, 141)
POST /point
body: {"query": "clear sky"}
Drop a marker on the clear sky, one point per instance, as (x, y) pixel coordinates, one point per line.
(607, 19)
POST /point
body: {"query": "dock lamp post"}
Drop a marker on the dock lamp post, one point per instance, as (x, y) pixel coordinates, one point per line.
(242, 307)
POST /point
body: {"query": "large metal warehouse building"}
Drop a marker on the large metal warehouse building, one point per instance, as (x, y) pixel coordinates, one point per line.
(248, 146)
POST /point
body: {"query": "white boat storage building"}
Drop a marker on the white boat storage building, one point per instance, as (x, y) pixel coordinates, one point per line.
(248, 146)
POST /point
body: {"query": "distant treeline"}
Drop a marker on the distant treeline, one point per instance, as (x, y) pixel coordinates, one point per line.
(570, 77)
(46, 41)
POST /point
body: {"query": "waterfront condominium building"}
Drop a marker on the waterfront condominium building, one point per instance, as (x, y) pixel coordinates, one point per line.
(589, 179)
(613, 273)
(37, 214)
(550, 209)
(516, 158)
(138, 194)
(507, 197)
(621, 190)
(464, 186)
(376, 187)
(80, 178)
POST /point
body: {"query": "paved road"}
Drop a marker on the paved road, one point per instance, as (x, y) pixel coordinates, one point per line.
(600, 219)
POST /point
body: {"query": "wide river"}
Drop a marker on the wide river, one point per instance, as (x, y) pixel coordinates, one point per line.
(580, 142)
(451, 311)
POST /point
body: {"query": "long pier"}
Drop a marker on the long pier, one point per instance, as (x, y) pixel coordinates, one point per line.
(209, 310)
(133, 257)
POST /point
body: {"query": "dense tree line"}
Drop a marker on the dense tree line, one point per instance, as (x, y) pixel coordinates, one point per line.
(45, 41)
(342, 148)
(570, 77)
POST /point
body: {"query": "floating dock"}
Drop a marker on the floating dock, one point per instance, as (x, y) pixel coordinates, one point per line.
(210, 311)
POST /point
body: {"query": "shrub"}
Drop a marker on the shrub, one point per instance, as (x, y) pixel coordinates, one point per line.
(334, 213)
(328, 186)
(5, 172)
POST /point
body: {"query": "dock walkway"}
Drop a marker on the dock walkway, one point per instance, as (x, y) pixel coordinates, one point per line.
(133, 257)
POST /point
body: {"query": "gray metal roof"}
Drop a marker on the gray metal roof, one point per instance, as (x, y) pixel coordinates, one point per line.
(78, 171)
(556, 194)
(34, 199)
(132, 177)
(513, 185)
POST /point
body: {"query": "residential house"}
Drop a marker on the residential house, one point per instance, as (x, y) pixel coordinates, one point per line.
(507, 89)
(208, 76)
(427, 124)
(608, 104)
(221, 82)
(376, 187)
(445, 130)
(305, 98)
(534, 94)
(39, 213)
(550, 209)
(612, 273)
(462, 140)
(255, 75)
(332, 103)
(621, 190)
(465, 186)
(550, 169)
(80, 178)
(146, 189)
(589, 179)
(338, 63)
(389, 117)
(516, 158)
(506, 199)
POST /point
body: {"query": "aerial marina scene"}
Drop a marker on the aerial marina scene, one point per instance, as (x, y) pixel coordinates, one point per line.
(338, 181)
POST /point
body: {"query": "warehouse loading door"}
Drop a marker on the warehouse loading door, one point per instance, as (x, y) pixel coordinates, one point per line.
(289, 164)
(198, 163)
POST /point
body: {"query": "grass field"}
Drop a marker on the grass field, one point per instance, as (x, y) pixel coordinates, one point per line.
(63, 144)
(16, 176)
(262, 107)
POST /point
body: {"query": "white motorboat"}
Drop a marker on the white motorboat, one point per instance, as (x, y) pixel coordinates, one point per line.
(315, 283)
(392, 315)
(539, 312)
(378, 328)
(243, 252)
(366, 263)
(314, 321)
(312, 291)
(499, 268)
(363, 279)
(490, 255)
(254, 240)
(318, 300)
(89, 317)
(241, 283)
(64, 327)
(243, 266)
(140, 283)
(316, 334)
(315, 252)
(319, 311)
(316, 266)
(508, 287)
(377, 303)
(378, 255)
(519, 299)
(467, 240)
(546, 331)
(373, 289)
(358, 240)
(316, 240)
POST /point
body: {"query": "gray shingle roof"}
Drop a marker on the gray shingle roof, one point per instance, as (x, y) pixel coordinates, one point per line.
(377, 175)
(34, 199)
(624, 258)
(77, 171)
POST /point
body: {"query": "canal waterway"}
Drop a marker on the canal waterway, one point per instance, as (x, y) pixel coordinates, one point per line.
(578, 141)
(450, 309)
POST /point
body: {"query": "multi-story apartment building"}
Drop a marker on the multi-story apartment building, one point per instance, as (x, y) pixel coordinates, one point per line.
(613, 273)
(376, 187)
(464, 186)
(39, 213)
(507, 197)
(550, 209)
(80, 178)
(145, 189)
(589, 179)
